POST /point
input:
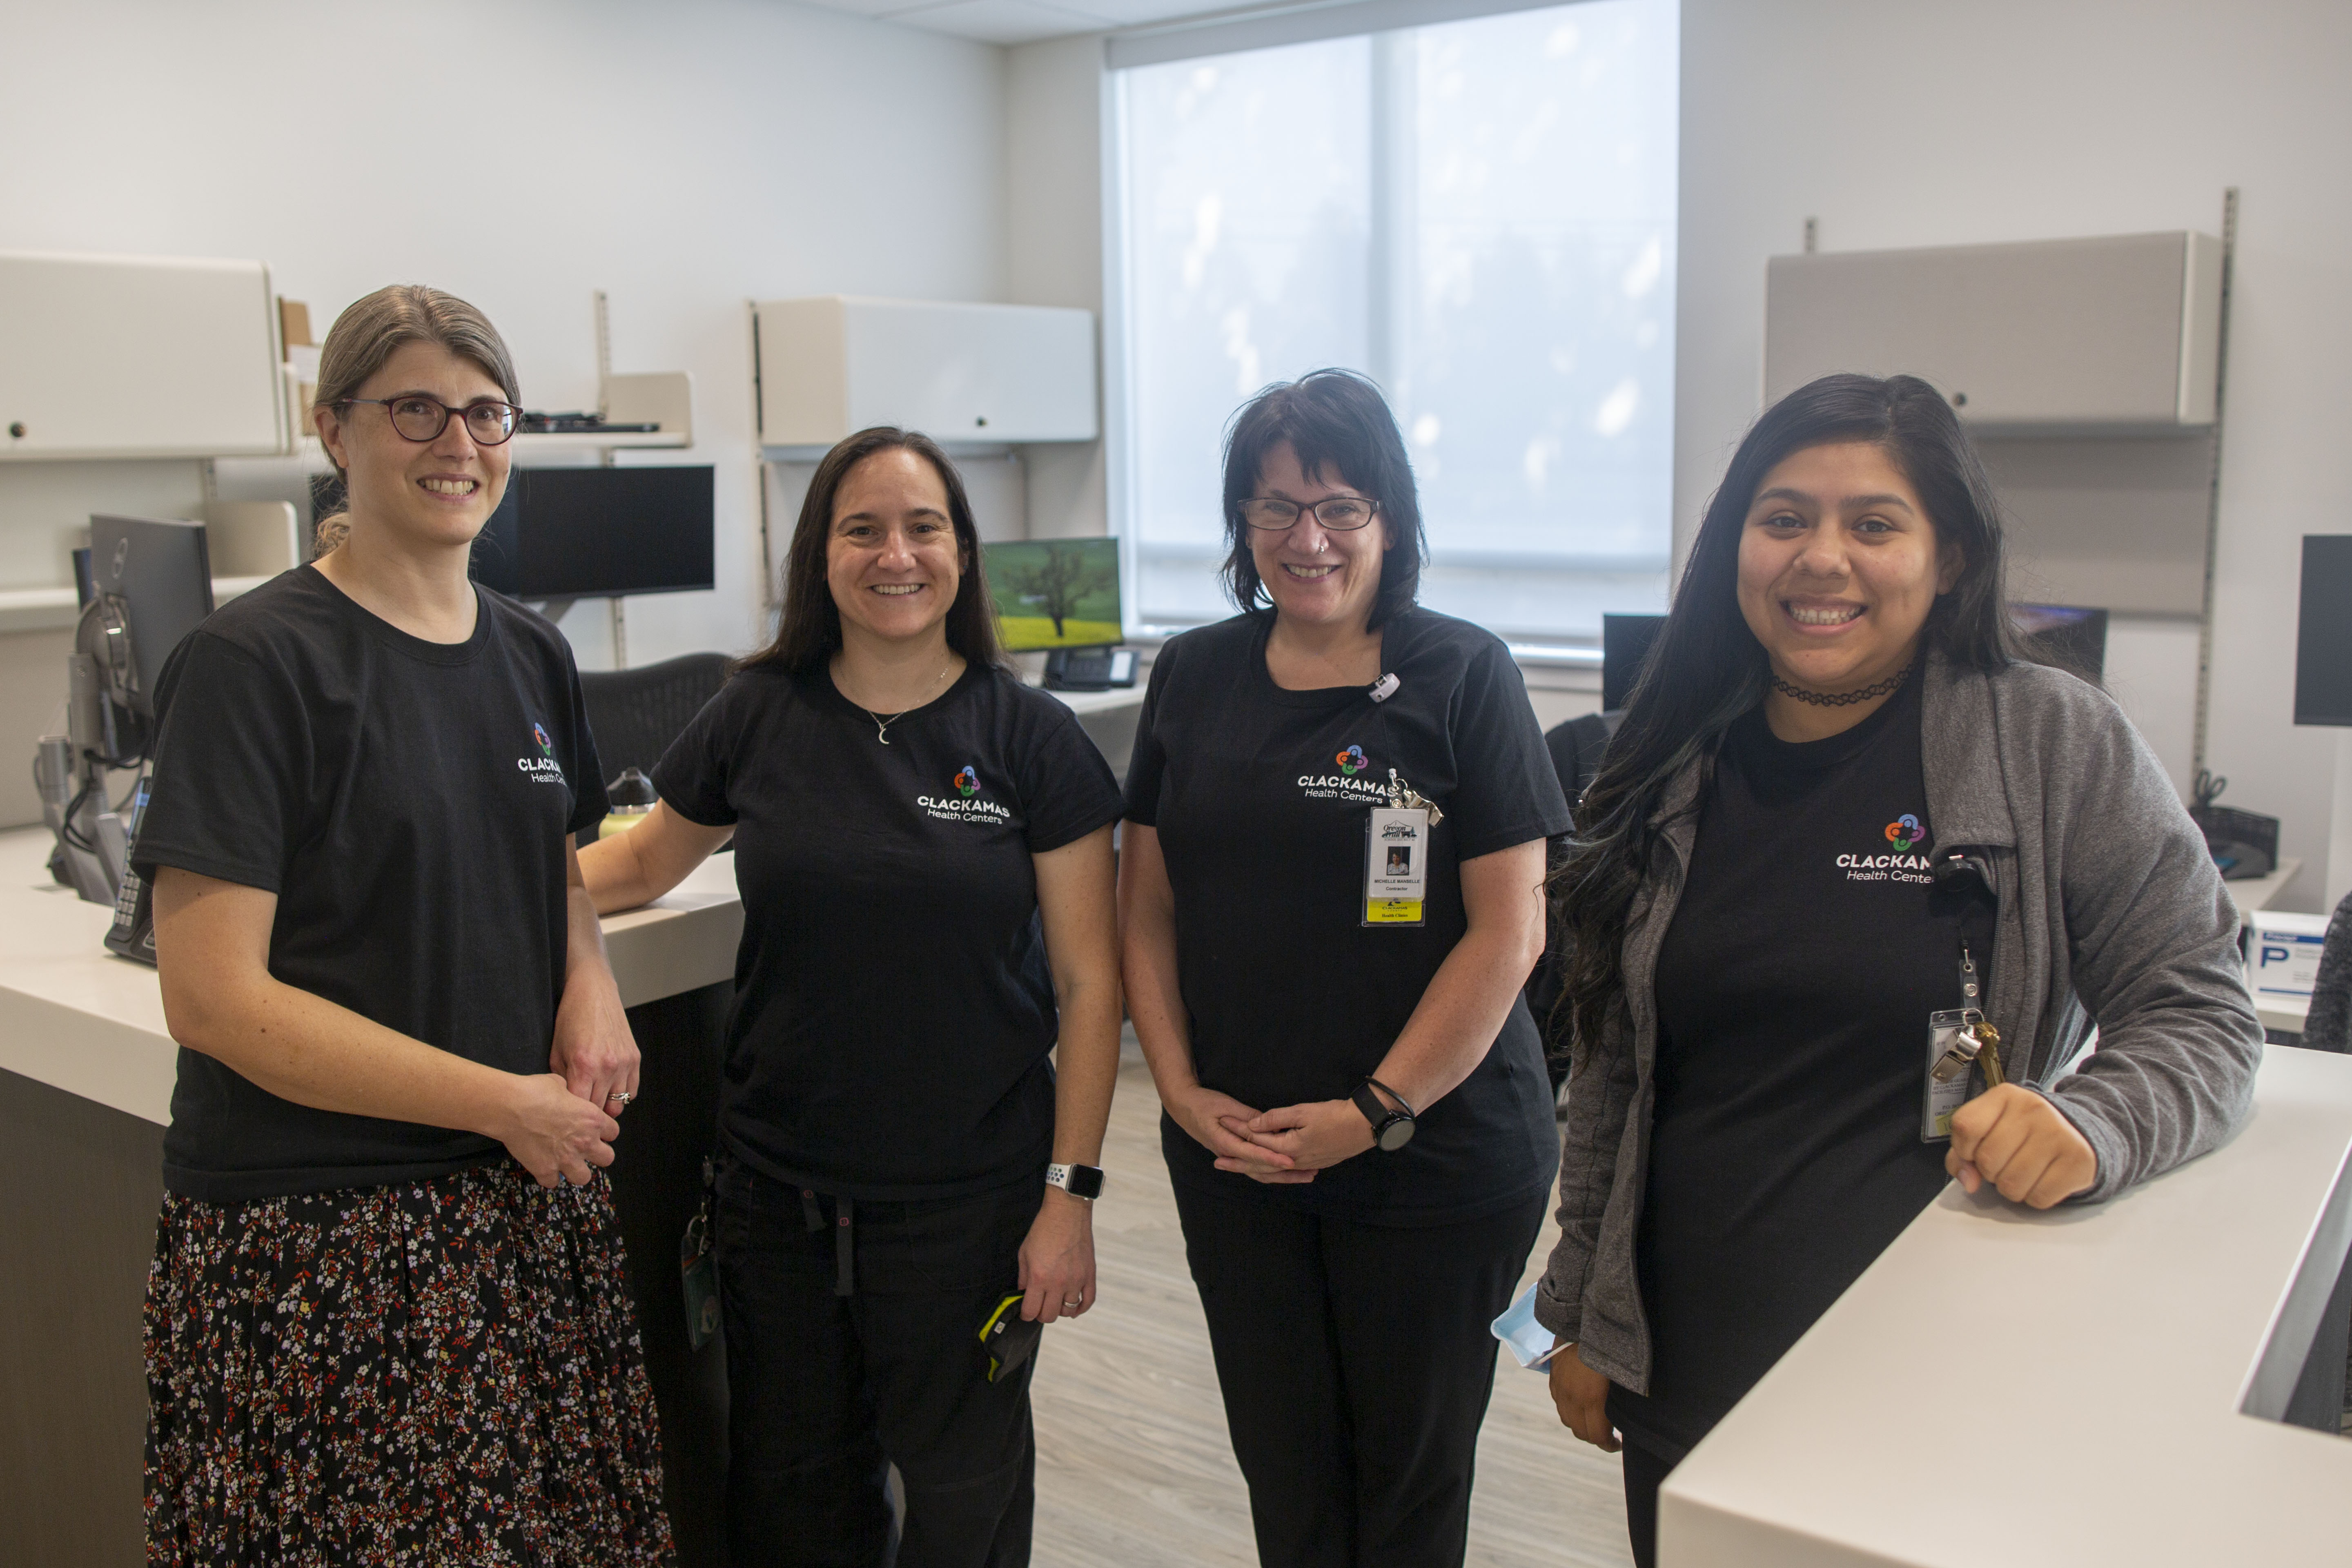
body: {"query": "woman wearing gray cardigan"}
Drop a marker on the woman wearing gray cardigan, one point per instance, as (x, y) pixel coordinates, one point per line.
(1849, 830)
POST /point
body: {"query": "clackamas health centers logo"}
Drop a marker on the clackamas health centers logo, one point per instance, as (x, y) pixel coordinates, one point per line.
(964, 805)
(1343, 785)
(542, 768)
(1903, 834)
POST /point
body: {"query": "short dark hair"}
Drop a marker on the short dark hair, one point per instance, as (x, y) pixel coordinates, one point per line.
(808, 623)
(1336, 421)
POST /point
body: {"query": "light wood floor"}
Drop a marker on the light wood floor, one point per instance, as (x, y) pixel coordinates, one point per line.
(1133, 1467)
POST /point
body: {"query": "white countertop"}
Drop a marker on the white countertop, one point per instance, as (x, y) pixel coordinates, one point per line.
(76, 1018)
(2061, 1389)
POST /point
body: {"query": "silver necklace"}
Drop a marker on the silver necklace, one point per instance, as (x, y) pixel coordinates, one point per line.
(882, 725)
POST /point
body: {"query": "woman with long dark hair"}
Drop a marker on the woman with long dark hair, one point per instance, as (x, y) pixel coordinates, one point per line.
(1329, 895)
(923, 848)
(1852, 884)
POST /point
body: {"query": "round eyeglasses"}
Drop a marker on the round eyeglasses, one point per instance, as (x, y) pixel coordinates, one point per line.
(421, 418)
(1341, 514)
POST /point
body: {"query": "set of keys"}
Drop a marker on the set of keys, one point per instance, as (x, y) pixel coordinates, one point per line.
(1403, 796)
(1977, 1042)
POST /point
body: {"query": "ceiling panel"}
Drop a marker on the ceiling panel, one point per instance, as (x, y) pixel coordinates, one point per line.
(1023, 21)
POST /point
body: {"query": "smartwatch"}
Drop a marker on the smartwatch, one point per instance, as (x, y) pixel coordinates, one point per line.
(1391, 1130)
(1078, 1181)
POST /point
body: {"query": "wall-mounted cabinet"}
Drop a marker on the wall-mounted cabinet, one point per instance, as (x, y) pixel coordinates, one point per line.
(2107, 336)
(108, 356)
(960, 373)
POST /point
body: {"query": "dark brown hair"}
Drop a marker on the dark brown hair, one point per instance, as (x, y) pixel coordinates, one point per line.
(1706, 667)
(808, 624)
(1337, 421)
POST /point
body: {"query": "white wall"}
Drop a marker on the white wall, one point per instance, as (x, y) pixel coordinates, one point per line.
(686, 157)
(1054, 185)
(1900, 123)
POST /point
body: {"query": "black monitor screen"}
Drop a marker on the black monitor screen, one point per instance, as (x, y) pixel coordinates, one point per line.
(2323, 637)
(562, 533)
(163, 574)
(1624, 643)
(2067, 636)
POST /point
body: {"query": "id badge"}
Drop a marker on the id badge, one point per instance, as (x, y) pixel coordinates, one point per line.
(1396, 865)
(1947, 1037)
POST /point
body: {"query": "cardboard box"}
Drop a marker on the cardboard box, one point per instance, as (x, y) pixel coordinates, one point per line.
(2282, 954)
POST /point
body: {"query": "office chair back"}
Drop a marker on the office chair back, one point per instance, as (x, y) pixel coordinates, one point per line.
(634, 715)
(2328, 1025)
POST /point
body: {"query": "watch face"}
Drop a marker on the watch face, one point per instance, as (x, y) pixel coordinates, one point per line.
(1396, 1134)
(1085, 1182)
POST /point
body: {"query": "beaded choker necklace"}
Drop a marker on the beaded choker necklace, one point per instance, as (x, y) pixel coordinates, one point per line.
(1869, 693)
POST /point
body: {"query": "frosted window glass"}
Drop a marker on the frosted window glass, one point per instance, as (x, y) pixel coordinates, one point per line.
(1479, 215)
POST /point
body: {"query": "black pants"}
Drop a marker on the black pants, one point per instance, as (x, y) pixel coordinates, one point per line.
(828, 1391)
(1645, 1472)
(1356, 1364)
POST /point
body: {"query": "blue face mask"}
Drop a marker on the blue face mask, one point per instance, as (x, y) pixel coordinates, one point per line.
(1531, 1343)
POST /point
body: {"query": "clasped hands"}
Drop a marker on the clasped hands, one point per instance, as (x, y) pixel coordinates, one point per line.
(1287, 1144)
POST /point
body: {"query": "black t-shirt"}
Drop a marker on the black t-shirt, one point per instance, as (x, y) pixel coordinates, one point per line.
(408, 802)
(894, 1011)
(1793, 991)
(1259, 796)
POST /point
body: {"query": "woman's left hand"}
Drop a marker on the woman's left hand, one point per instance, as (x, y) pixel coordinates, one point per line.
(2022, 1144)
(1057, 1259)
(1316, 1136)
(593, 1048)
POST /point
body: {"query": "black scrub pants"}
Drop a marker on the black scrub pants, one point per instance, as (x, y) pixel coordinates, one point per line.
(1356, 1363)
(827, 1390)
(1645, 1471)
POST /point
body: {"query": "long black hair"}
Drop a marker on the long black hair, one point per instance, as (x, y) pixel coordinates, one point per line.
(1706, 667)
(1337, 421)
(808, 626)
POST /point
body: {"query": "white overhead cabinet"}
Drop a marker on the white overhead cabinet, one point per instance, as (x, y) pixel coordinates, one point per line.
(111, 356)
(989, 374)
(2116, 335)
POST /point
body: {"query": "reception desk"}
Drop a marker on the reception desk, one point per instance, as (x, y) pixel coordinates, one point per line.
(85, 1076)
(2100, 1384)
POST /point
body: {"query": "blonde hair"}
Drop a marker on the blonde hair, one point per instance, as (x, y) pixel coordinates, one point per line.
(371, 330)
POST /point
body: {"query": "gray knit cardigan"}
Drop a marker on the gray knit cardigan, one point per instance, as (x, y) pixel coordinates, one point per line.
(2110, 911)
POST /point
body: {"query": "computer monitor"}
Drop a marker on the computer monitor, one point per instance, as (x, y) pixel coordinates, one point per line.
(1625, 642)
(152, 580)
(1054, 592)
(593, 533)
(2065, 635)
(2323, 633)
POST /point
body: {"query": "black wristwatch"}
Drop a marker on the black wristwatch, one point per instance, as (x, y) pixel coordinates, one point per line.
(1391, 1130)
(1078, 1181)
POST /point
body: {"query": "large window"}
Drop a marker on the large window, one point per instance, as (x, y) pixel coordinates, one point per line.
(1481, 216)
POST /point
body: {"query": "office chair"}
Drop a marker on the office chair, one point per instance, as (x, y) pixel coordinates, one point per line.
(2328, 1025)
(634, 715)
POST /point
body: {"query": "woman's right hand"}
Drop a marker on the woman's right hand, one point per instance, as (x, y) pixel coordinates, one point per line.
(1581, 1395)
(1211, 1119)
(553, 1132)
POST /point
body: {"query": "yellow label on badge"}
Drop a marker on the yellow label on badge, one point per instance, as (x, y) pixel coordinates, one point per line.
(1393, 912)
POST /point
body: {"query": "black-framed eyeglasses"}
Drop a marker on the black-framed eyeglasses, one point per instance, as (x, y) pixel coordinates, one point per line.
(420, 418)
(1341, 514)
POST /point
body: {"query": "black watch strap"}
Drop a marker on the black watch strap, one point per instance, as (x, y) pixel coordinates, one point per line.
(1391, 1130)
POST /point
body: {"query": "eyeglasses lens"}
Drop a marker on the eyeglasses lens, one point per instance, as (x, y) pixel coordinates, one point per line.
(490, 423)
(1341, 514)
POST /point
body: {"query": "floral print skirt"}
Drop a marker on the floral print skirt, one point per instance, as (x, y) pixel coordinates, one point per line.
(439, 1372)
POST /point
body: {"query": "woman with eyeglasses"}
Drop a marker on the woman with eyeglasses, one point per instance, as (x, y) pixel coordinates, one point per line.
(1329, 892)
(386, 1321)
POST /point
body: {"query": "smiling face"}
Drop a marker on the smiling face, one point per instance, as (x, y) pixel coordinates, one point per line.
(1315, 575)
(1839, 566)
(436, 492)
(892, 558)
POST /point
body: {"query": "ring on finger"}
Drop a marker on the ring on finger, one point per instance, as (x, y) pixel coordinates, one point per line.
(620, 1096)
